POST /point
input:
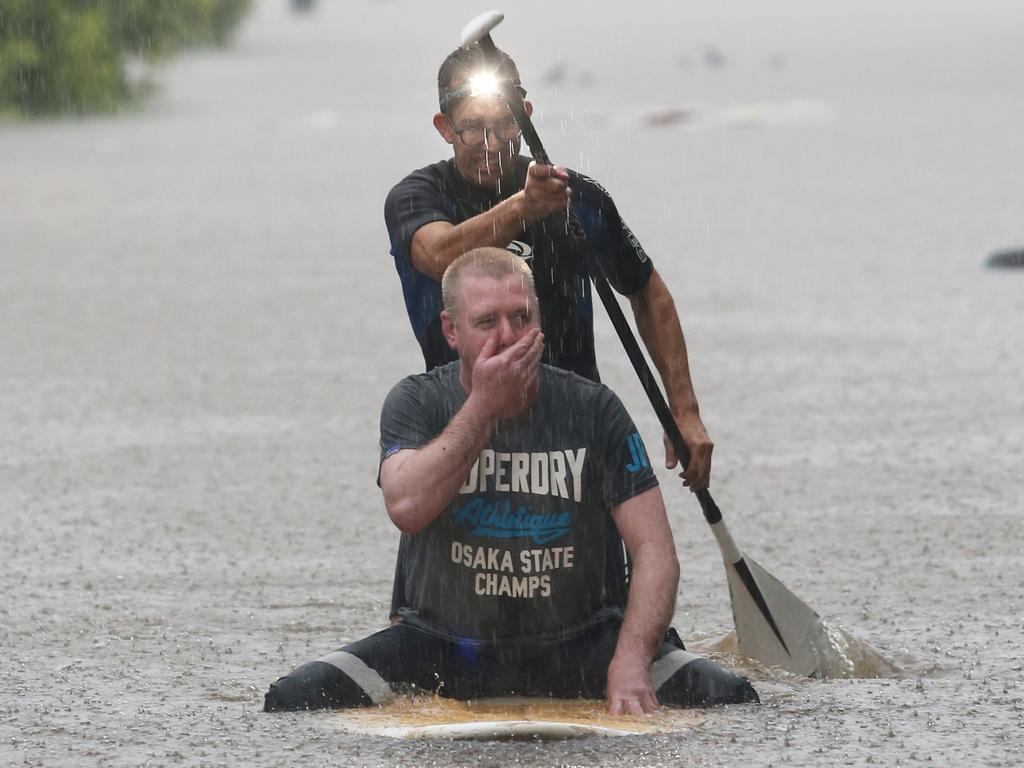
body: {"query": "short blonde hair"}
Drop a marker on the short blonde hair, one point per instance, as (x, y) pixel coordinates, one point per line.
(483, 262)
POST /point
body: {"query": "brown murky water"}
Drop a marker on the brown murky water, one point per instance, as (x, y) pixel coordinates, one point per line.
(199, 321)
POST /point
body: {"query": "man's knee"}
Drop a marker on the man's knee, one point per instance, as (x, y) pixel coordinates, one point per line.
(682, 679)
(316, 685)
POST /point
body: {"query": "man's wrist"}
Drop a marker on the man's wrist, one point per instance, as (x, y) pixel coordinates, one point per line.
(477, 415)
(632, 650)
(685, 408)
(519, 209)
(629, 665)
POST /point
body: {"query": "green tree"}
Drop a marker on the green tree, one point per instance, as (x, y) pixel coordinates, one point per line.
(69, 55)
(158, 27)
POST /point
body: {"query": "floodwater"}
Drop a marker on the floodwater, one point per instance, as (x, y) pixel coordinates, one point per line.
(199, 321)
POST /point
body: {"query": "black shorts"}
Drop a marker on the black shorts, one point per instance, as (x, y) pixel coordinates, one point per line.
(406, 655)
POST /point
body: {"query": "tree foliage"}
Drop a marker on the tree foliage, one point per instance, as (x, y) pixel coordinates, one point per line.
(70, 55)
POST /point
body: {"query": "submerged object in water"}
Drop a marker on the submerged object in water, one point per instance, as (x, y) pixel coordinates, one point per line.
(1012, 259)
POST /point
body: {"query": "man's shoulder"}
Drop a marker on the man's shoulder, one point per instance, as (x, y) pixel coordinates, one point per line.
(423, 196)
(565, 383)
(436, 174)
(588, 188)
(437, 380)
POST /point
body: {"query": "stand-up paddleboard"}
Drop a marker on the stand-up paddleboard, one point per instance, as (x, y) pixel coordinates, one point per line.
(506, 719)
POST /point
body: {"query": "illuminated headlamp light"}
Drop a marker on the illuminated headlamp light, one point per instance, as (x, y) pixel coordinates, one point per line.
(480, 84)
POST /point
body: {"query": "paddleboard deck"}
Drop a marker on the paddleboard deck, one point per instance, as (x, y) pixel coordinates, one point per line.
(505, 730)
(505, 719)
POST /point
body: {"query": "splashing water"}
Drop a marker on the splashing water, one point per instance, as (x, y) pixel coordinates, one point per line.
(838, 654)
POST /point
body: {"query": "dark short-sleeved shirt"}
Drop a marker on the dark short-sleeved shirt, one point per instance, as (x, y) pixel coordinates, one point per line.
(520, 551)
(438, 192)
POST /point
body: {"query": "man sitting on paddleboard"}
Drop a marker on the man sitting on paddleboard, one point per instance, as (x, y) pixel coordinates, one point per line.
(506, 475)
(487, 194)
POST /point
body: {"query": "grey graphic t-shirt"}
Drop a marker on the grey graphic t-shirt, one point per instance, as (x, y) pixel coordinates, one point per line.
(520, 551)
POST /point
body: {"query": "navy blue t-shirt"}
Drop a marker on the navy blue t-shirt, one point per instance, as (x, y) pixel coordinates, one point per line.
(438, 192)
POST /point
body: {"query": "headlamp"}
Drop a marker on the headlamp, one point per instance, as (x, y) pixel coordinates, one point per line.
(479, 84)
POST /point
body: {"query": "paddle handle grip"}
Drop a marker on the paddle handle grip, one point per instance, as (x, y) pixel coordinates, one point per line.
(600, 281)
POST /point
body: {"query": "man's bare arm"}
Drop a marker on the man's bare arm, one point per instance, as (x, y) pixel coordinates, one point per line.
(418, 484)
(436, 245)
(643, 525)
(659, 327)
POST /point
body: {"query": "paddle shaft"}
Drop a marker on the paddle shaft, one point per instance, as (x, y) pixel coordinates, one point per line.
(600, 281)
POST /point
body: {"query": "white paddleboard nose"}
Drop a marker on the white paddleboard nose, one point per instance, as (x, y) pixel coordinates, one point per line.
(481, 26)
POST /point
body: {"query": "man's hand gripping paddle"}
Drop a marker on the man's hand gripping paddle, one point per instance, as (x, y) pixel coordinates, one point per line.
(773, 625)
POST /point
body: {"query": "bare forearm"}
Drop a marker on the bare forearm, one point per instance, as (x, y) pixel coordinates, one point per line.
(495, 227)
(643, 525)
(426, 480)
(652, 601)
(436, 245)
(659, 327)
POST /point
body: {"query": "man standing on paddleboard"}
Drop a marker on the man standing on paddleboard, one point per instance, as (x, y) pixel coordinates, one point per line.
(487, 194)
(506, 475)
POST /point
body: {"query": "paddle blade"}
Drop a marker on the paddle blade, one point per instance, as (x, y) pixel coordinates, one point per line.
(480, 26)
(808, 646)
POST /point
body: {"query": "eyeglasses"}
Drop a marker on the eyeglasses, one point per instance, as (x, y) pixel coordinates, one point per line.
(474, 135)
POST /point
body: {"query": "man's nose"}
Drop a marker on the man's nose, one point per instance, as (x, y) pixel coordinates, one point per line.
(506, 333)
(492, 142)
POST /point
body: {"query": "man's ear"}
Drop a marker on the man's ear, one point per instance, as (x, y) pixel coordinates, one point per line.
(529, 107)
(444, 127)
(448, 329)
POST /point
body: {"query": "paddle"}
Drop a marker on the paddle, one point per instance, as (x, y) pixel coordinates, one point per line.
(773, 625)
